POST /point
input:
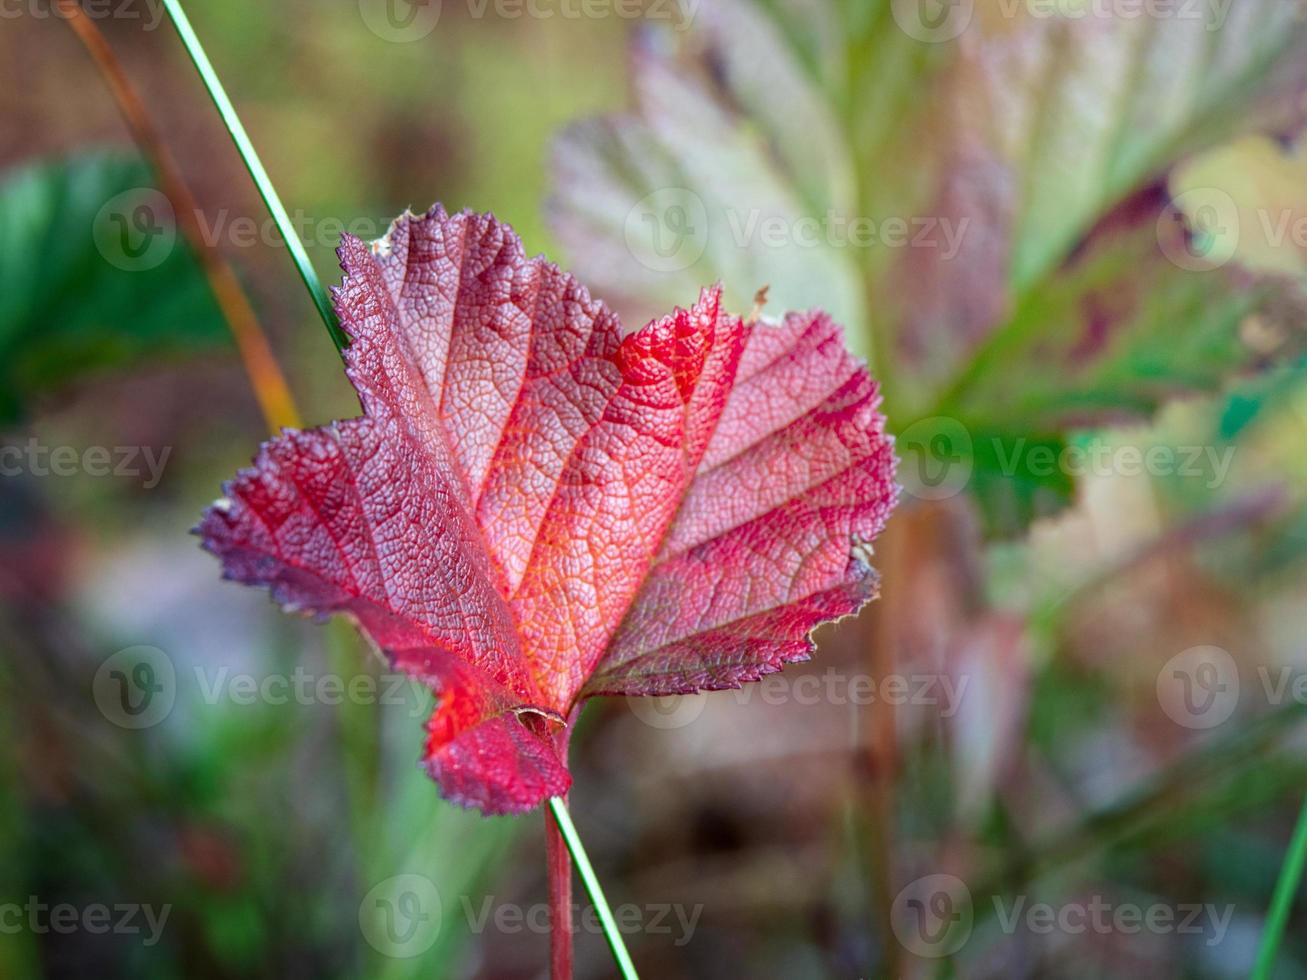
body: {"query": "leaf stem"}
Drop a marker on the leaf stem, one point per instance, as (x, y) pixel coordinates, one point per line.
(1282, 901)
(590, 880)
(255, 168)
(269, 384)
(558, 865)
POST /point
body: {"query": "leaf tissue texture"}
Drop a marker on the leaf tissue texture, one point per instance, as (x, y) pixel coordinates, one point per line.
(534, 508)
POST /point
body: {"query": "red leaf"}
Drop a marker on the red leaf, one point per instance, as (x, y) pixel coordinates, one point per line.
(533, 509)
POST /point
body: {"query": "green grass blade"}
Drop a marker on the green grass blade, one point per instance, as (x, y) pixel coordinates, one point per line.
(269, 194)
(255, 167)
(1282, 900)
(591, 882)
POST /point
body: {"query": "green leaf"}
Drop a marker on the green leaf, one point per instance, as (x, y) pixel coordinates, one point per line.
(986, 145)
(694, 189)
(1133, 319)
(1030, 128)
(95, 276)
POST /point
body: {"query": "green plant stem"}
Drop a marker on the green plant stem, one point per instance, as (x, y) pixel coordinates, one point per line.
(591, 882)
(562, 818)
(1282, 900)
(255, 167)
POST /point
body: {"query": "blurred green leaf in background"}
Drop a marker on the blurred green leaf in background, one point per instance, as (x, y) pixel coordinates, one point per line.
(95, 276)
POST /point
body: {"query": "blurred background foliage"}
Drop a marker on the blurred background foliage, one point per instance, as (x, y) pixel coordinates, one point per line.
(1130, 201)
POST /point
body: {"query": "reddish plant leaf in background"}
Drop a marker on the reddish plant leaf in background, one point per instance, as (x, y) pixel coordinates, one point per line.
(533, 509)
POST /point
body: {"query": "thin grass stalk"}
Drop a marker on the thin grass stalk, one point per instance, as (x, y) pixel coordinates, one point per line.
(558, 807)
(256, 170)
(266, 378)
(1282, 901)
